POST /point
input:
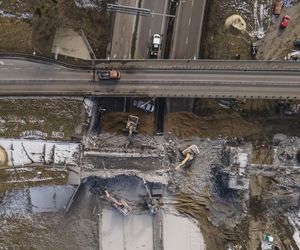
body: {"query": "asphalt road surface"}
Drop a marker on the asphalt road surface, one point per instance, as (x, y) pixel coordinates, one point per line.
(188, 29)
(19, 77)
(13, 69)
(150, 25)
(122, 33)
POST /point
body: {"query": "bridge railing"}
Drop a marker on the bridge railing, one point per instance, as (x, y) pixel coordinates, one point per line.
(164, 64)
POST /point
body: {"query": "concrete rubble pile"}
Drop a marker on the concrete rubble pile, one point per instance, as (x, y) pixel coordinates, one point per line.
(220, 185)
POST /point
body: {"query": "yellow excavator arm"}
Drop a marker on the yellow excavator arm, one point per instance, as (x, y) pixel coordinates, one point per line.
(189, 153)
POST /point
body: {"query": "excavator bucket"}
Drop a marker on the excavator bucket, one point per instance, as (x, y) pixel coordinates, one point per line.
(189, 154)
(193, 148)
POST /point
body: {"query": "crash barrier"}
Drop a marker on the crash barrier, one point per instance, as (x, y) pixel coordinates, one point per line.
(164, 64)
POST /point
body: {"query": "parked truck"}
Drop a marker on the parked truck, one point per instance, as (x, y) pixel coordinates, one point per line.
(155, 46)
(109, 75)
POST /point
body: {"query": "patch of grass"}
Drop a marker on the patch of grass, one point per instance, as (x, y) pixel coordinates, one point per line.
(46, 115)
(37, 31)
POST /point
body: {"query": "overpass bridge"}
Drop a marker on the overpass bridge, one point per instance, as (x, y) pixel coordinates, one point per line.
(155, 78)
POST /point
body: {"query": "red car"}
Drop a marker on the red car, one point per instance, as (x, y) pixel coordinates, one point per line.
(285, 21)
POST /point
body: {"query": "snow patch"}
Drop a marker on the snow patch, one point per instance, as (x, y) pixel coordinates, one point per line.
(25, 15)
(88, 104)
(21, 152)
(289, 3)
(259, 13)
(87, 4)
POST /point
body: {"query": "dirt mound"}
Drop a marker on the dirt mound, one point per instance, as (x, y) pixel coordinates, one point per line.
(236, 22)
(185, 124)
(114, 122)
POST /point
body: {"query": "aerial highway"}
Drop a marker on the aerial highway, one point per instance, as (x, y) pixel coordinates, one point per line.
(21, 77)
(123, 32)
(150, 25)
(124, 28)
(187, 29)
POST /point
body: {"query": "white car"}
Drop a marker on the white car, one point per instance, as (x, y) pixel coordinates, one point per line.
(146, 106)
(156, 41)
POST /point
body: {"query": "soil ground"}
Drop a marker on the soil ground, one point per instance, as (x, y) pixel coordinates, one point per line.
(46, 115)
(256, 121)
(278, 42)
(31, 24)
(115, 122)
(262, 28)
(262, 220)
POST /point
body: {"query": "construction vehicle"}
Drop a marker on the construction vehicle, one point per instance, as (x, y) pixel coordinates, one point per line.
(121, 205)
(226, 103)
(146, 106)
(297, 43)
(155, 46)
(109, 75)
(254, 50)
(277, 8)
(294, 55)
(285, 22)
(189, 154)
(131, 124)
(153, 199)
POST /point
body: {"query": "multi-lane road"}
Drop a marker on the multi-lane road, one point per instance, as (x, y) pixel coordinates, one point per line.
(150, 25)
(187, 29)
(135, 33)
(125, 35)
(18, 77)
(123, 31)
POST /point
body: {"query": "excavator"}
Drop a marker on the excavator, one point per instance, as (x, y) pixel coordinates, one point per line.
(152, 201)
(189, 154)
(121, 205)
(131, 124)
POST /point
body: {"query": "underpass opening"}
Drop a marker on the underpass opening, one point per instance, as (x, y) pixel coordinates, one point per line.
(160, 104)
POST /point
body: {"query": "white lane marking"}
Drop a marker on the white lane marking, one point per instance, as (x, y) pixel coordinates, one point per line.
(192, 3)
(190, 21)
(150, 32)
(2, 63)
(123, 28)
(121, 40)
(186, 40)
